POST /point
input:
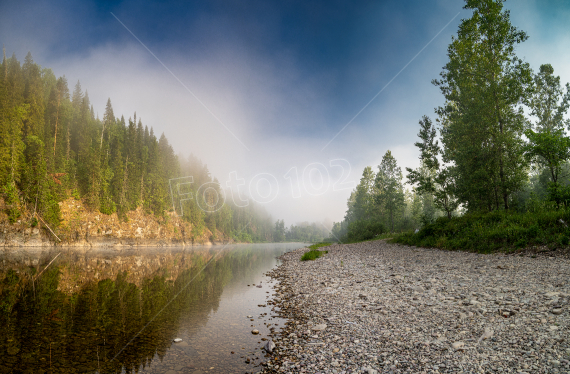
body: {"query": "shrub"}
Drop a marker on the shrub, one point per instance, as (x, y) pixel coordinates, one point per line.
(312, 255)
(487, 232)
(363, 230)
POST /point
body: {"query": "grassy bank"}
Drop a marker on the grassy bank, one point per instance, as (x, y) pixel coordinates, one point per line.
(314, 252)
(495, 231)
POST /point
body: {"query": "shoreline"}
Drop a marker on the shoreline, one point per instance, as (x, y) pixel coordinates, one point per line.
(110, 243)
(375, 307)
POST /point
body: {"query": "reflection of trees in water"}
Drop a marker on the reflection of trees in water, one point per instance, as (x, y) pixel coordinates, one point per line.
(43, 327)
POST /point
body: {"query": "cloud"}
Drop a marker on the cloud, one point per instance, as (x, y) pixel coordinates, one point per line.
(270, 83)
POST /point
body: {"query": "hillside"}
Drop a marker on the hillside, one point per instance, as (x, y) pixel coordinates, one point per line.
(81, 227)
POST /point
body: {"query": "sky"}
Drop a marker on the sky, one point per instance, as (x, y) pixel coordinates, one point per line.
(285, 101)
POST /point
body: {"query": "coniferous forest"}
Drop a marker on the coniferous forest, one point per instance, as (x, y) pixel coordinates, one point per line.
(53, 147)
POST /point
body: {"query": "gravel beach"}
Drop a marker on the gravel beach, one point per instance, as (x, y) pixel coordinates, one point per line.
(376, 307)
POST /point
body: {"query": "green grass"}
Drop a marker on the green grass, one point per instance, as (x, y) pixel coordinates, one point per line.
(314, 253)
(491, 232)
(319, 245)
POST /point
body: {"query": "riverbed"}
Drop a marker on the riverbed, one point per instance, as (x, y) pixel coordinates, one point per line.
(375, 307)
(120, 311)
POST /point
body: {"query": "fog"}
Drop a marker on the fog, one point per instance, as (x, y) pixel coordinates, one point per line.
(260, 117)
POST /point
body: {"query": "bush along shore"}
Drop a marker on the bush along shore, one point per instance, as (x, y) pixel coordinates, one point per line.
(376, 307)
(496, 231)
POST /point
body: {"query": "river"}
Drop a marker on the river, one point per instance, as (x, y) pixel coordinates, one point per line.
(110, 311)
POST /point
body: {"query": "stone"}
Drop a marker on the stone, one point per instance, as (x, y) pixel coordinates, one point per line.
(458, 346)
(177, 340)
(320, 327)
(557, 311)
(255, 331)
(487, 334)
(269, 346)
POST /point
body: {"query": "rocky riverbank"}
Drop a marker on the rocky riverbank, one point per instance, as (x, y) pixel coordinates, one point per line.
(375, 307)
(83, 228)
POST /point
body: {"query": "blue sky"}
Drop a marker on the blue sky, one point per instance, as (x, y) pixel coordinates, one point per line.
(277, 80)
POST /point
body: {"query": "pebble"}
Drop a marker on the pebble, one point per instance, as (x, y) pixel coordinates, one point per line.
(381, 308)
(458, 345)
(269, 346)
(319, 327)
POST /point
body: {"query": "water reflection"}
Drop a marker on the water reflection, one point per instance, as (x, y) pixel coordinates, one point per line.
(111, 313)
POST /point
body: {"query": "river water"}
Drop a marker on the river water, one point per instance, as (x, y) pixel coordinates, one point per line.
(109, 311)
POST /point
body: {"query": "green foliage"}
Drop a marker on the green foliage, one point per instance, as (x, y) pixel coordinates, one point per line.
(390, 191)
(12, 202)
(306, 232)
(363, 230)
(547, 101)
(75, 194)
(476, 158)
(319, 245)
(489, 232)
(279, 234)
(51, 143)
(313, 254)
(362, 204)
(243, 237)
(484, 83)
(550, 149)
(432, 179)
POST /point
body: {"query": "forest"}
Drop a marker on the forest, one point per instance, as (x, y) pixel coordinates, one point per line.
(494, 165)
(53, 146)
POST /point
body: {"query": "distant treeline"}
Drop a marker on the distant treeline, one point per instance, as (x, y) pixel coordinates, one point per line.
(301, 232)
(52, 146)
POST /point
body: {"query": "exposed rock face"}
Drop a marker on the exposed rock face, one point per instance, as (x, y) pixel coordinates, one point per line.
(82, 228)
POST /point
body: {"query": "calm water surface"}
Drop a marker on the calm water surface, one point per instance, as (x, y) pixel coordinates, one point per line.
(110, 311)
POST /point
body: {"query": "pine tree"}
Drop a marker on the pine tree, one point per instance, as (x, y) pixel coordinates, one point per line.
(388, 183)
(34, 98)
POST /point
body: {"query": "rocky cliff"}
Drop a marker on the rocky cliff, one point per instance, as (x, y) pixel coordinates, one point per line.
(80, 227)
